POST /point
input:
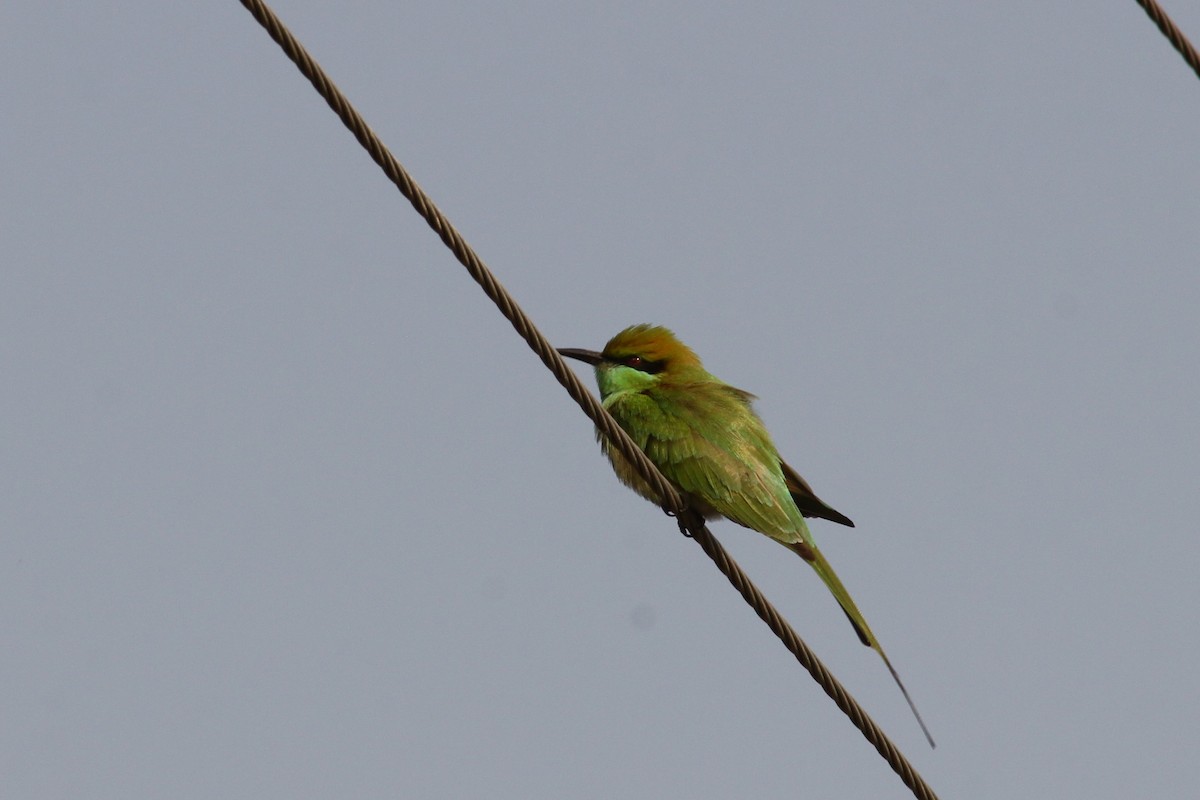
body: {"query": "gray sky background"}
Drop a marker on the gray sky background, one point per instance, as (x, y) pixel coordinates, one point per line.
(288, 510)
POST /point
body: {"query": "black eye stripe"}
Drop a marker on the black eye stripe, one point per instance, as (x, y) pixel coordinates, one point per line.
(643, 365)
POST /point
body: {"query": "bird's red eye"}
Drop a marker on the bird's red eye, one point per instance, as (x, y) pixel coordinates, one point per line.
(642, 364)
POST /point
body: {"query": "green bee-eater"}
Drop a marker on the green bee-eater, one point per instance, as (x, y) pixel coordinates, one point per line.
(704, 436)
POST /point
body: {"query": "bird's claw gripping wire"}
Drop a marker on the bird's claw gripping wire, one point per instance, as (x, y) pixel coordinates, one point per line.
(683, 528)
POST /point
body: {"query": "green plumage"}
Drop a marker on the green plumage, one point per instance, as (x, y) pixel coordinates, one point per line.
(704, 436)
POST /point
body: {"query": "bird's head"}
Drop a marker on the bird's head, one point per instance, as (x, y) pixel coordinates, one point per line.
(637, 358)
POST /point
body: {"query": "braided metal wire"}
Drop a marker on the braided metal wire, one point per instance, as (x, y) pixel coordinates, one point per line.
(1173, 34)
(807, 658)
(689, 521)
(463, 252)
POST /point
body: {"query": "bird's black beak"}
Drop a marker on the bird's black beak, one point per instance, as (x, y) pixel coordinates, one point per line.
(586, 356)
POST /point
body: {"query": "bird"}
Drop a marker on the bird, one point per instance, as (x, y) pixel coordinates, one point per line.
(706, 439)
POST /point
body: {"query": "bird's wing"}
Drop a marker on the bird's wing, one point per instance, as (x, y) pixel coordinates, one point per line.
(733, 470)
(807, 501)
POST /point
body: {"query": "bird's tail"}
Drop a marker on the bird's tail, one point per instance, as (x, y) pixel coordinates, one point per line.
(817, 561)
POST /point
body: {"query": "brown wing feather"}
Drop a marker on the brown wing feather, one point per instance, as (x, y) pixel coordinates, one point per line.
(807, 501)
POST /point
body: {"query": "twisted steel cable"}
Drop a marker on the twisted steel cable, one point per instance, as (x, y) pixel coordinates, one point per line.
(689, 521)
(807, 658)
(1173, 34)
(462, 251)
